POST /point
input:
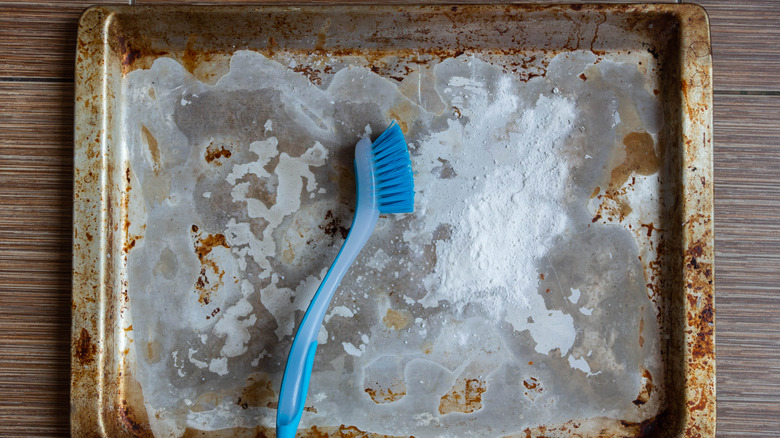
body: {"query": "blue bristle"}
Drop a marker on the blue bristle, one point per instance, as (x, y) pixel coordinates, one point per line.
(393, 172)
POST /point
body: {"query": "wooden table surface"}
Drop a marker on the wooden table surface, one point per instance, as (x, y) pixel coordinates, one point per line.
(37, 41)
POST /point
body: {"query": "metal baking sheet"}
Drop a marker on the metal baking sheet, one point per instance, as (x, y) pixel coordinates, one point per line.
(556, 278)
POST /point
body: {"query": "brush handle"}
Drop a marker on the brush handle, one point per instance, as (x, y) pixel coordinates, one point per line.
(295, 383)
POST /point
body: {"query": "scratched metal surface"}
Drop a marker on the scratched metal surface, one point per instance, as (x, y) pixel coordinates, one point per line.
(213, 187)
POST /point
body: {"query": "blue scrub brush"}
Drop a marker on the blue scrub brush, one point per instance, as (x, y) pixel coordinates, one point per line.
(383, 174)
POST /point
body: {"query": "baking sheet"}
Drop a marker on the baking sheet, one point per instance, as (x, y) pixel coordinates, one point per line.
(555, 278)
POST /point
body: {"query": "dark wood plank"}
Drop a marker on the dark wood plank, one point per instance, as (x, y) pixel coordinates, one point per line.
(38, 39)
(35, 252)
(746, 37)
(747, 230)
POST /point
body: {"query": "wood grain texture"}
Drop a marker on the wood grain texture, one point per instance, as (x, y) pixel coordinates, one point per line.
(747, 265)
(35, 252)
(745, 43)
(38, 39)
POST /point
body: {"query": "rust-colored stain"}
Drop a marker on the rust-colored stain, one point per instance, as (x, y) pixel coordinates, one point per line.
(652, 427)
(204, 285)
(153, 351)
(645, 389)
(137, 424)
(532, 383)
(650, 228)
(641, 158)
(381, 396)
(205, 245)
(311, 73)
(397, 320)
(465, 396)
(333, 227)
(84, 350)
(258, 392)
(154, 148)
(342, 431)
(215, 153)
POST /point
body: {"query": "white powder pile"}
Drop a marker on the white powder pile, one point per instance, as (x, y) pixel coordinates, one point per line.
(504, 206)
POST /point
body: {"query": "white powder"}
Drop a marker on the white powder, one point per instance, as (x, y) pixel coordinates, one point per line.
(506, 220)
(496, 179)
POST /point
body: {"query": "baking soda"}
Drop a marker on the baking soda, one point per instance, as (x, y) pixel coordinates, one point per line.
(504, 204)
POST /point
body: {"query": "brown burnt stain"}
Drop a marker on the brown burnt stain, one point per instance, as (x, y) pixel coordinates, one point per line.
(465, 397)
(134, 421)
(645, 390)
(397, 320)
(650, 228)
(333, 228)
(532, 383)
(129, 408)
(322, 36)
(697, 405)
(456, 112)
(641, 158)
(652, 427)
(404, 112)
(129, 239)
(204, 286)
(205, 245)
(84, 350)
(232, 432)
(153, 350)
(342, 431)
(214, 153)
(89, 236)
(641, 330)
(541, 276)
(596, 218)
(154, 148)
(311, 73)
(595, 192)
(623, 209)
(583, 77)
(382, 395)
(206, 401)
(258, 391)
(288, 255)
(213, 313)
(427, 347)
(345, 180)
(258, 189)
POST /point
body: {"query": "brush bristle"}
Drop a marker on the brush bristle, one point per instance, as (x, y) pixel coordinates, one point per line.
(393, 172)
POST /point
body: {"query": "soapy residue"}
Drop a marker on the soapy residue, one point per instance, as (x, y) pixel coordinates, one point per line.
(449, 315)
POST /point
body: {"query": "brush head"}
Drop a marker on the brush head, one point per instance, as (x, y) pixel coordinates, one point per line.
(393, 178)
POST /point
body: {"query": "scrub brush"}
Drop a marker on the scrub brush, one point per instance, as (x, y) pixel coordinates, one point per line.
(383, 176)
